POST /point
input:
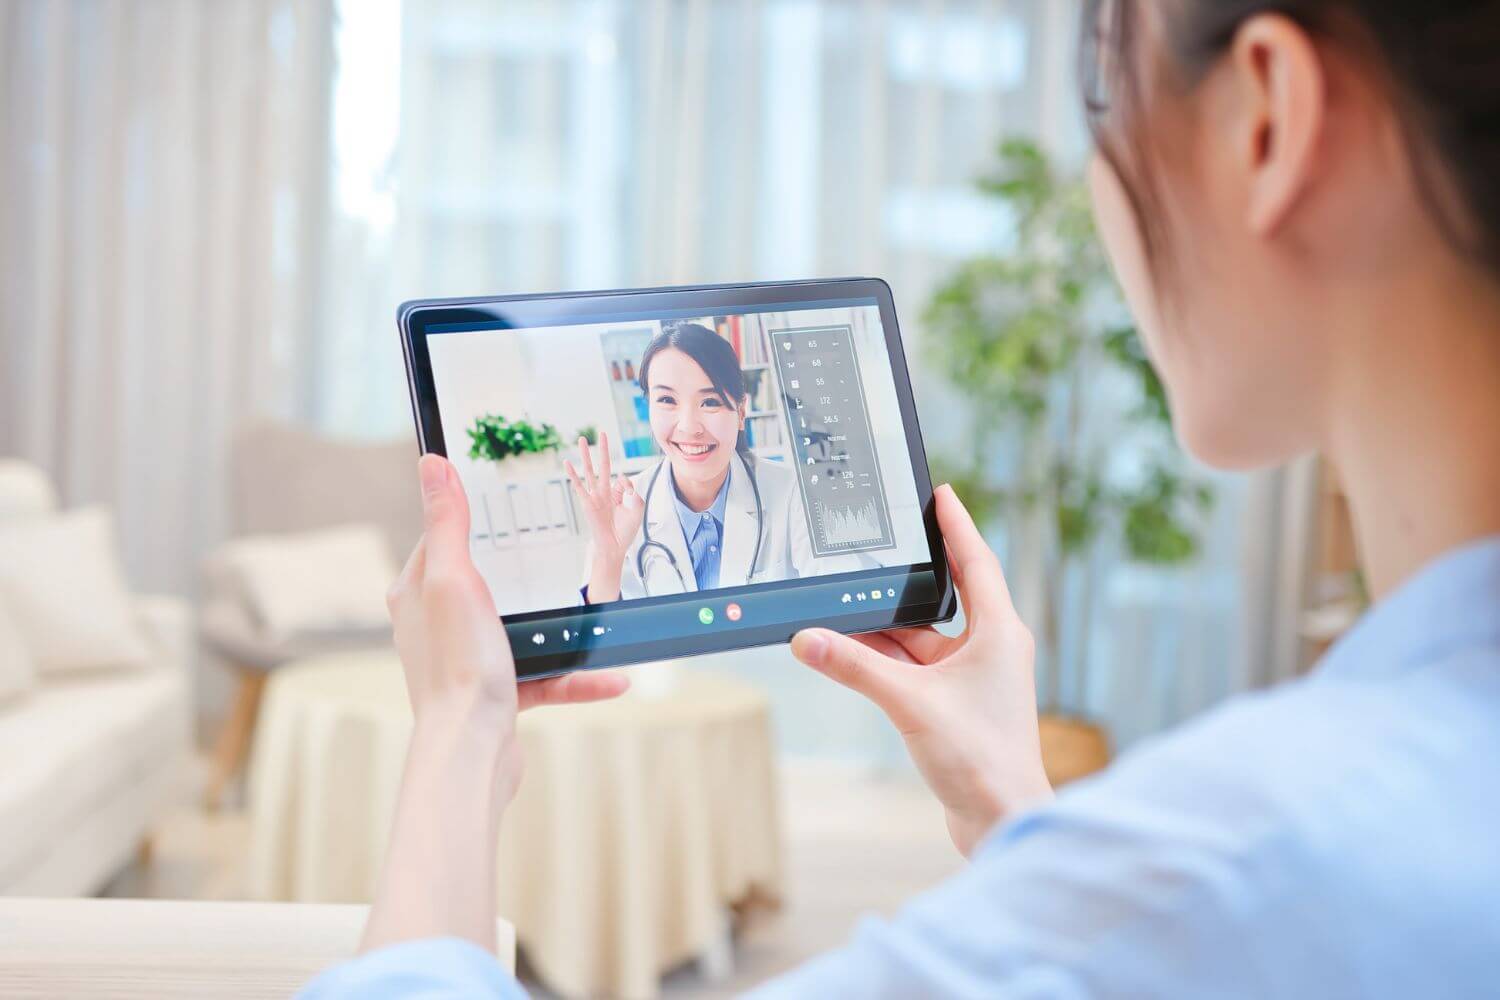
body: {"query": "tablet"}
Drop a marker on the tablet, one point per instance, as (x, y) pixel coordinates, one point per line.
(766, 471)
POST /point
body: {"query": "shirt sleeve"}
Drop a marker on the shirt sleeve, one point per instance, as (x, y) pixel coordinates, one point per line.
(1114, 890)
(1177, 873)
(432, 969)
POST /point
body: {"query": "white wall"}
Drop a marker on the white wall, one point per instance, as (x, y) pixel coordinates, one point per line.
(555, 375)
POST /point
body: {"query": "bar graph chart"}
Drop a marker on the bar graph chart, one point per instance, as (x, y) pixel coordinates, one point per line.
(846, 525)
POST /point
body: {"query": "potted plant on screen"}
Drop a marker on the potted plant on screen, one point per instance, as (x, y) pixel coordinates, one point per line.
(1069, 437)
(517, 448)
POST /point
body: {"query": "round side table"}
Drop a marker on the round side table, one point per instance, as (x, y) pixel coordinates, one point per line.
(640, 825)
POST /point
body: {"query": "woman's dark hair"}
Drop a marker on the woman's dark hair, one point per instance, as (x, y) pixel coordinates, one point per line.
(1442, 58)
(712, 353)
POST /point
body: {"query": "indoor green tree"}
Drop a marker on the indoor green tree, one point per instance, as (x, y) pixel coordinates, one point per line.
(1069, 425)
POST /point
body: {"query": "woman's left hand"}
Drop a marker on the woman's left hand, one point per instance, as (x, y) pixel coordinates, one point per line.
(463, 764)
(450, 639)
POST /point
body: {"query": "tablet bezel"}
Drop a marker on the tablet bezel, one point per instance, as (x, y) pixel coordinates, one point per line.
(417, 317)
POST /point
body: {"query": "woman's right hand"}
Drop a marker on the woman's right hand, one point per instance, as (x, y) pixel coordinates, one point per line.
(614, 511)
(966, 706)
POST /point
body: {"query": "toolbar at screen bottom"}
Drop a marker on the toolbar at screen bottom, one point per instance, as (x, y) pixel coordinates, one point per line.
(623, 625)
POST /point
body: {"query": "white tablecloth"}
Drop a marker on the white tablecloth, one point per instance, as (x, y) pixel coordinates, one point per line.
(639, 824)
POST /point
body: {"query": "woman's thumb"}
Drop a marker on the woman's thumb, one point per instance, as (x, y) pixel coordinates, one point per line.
(433, 472)
(852, 664)
(445, 509)
(631, 499)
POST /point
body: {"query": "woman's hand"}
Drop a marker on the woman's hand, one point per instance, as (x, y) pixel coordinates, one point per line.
(965, 706)
(614, 511)
(463, 764)
(450, 639)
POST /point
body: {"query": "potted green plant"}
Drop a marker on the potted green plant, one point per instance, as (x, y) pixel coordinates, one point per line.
(1058, 387)
(516, 447)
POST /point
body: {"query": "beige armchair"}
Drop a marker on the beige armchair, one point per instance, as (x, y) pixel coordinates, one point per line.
(128, 948)
(283, 480)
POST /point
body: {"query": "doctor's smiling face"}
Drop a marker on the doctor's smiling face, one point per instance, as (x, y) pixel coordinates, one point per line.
(696, 397)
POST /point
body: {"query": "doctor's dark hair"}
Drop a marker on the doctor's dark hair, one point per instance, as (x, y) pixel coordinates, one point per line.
(1440, 59)
(712, 353)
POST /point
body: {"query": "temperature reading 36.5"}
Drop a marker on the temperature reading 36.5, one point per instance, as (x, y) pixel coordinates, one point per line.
(834, 449)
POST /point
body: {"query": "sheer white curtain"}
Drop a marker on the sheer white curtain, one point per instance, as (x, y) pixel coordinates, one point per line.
(598, 143)
(161, 162)
(212, 210)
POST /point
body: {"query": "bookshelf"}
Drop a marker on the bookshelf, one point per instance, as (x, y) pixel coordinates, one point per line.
(622, 350)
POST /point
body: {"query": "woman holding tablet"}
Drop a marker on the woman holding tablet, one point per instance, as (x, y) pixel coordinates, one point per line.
(1300, 200)
(709, 514)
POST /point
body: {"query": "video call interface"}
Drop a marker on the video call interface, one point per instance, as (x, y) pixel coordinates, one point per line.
(781, 457)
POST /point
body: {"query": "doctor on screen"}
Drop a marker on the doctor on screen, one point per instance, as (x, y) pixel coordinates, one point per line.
(709, 514)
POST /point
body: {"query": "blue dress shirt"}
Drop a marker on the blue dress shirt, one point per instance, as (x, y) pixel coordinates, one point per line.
(1336, 836)
(704, 532)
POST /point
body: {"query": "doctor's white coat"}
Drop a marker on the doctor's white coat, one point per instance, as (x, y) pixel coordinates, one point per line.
(786, 551)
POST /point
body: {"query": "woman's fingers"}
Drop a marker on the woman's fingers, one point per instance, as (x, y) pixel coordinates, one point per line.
(410, 577)
(604, 467)
(858, 667)
(445, 513)
(915, 646)
(583, 494)
(981, 583)
(572, 689)
(588, 464)
(924, 644)
(882, 643)
(631, 500)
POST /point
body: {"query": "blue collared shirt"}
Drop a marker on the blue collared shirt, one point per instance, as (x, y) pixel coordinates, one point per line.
(704, 532)
(1337, 836)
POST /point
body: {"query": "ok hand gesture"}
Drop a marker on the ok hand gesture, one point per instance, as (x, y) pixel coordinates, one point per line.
(614, 511)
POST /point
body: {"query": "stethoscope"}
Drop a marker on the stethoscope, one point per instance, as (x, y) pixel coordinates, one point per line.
(648, 543)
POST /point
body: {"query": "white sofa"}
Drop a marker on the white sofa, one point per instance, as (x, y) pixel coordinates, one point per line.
(87, 763)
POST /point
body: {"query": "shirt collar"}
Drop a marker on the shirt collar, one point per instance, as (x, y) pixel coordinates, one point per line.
(692, 519)
(1451, 603)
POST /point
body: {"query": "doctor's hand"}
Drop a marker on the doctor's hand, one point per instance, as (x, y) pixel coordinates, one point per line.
(463, 762)
(614, 511)
(966, 706)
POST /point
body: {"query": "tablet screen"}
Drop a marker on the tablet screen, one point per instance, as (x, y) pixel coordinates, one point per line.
(761, 474)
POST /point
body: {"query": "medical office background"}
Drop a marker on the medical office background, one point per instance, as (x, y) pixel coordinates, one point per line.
(583, 380)
(213, 209)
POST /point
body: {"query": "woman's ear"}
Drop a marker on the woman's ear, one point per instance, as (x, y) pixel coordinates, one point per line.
(1282, 87)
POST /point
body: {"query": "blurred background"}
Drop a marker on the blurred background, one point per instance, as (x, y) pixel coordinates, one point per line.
(211, 212)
